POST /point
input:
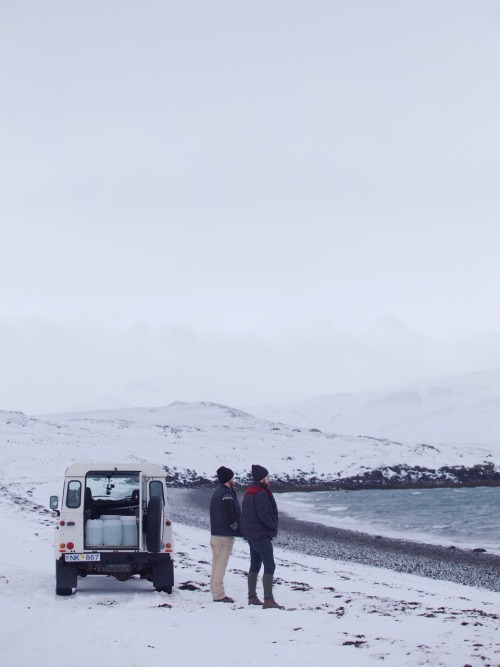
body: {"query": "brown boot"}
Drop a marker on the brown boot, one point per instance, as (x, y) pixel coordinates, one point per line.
(270, 603)
(254, 600)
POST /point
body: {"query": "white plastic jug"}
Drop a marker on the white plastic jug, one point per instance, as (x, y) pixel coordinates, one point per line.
(129, 531)
(112, 532)
(94, 532)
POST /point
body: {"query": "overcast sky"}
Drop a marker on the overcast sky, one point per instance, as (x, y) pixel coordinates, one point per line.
(245, 202)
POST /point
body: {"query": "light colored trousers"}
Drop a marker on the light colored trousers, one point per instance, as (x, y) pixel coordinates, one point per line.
(221, 550)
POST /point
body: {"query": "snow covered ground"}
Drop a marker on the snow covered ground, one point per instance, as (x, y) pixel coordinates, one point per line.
(337, 612)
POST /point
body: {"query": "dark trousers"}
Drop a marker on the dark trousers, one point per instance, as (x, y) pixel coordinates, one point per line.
(261, 552)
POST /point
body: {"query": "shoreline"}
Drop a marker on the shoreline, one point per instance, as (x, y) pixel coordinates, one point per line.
(470, 568)
(400, 476)
(298, 487)
(389, 486)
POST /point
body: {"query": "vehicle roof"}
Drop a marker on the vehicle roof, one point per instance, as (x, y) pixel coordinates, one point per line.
(149, 469)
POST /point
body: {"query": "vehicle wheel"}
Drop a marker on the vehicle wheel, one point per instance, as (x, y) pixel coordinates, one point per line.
(164, 589)
(64, 591)
(154, 524)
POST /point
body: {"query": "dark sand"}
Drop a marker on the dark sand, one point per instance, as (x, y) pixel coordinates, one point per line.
(190, 506)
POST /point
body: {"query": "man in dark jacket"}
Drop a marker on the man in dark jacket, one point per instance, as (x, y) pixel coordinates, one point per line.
(225, 525)
(260, 525)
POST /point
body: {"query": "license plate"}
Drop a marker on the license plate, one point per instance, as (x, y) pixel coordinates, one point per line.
(78, 558)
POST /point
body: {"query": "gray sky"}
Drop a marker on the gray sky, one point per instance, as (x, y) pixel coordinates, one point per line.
(245, 202)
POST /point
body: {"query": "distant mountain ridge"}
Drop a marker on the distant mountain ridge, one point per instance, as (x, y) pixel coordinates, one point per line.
(461, 410)
(177, 413)
(191, 440)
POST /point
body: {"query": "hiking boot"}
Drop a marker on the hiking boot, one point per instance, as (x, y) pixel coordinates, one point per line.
(254, 600)
(225, 599)
(270, 603)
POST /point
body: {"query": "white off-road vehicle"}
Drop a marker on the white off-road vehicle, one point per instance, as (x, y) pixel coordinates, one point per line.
(114, 520)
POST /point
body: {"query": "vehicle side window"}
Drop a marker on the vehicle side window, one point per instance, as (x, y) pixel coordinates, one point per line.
(74, 495)
(156, 489)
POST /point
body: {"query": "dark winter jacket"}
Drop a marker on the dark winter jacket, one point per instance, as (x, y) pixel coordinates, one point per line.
(225, 513)
(259, 513)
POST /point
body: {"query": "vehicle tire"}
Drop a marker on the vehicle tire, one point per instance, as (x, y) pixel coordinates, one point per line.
(154, 524)
(64, 591)
(164, 589)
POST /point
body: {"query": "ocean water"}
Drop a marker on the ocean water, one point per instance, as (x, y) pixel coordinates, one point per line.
(465, 517)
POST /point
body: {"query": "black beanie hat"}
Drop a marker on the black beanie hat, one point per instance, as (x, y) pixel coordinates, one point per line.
(258, 473)
(224, 474)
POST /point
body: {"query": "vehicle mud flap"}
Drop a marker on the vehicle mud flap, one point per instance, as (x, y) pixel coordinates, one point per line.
(163, 575)
(154, 524)
(66, 577)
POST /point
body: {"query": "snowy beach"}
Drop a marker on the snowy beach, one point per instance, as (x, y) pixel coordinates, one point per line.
(337, 610)
(350, 597)
(450, 564)
(264, 237)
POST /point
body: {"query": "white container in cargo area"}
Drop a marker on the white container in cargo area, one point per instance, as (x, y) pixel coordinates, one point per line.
(129, 531)
(112, 532)
(94, 532)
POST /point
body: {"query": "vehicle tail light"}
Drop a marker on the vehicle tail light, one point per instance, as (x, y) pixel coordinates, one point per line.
(168, 546)
(168, 522)
(62, 523)
(70, 545)
(62, 546)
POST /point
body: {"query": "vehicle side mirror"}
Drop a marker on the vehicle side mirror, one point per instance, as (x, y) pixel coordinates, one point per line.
(54, 502)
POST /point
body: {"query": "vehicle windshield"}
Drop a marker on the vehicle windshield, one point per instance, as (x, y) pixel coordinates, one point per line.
(113, 485)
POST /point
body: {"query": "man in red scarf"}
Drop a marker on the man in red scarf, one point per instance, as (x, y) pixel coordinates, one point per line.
(260, 525)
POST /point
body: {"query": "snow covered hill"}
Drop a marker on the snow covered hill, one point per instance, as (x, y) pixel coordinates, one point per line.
(193, 439)
(460, 410)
